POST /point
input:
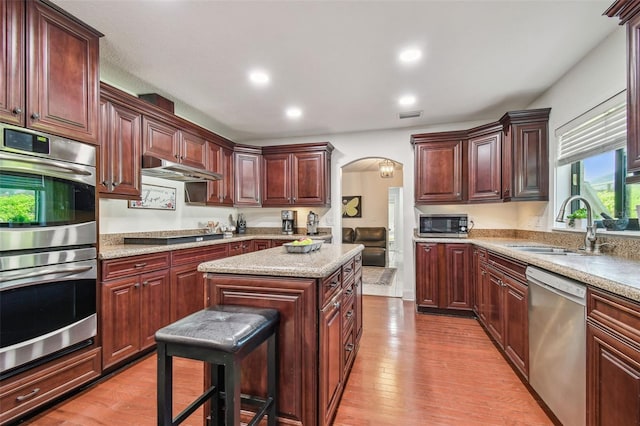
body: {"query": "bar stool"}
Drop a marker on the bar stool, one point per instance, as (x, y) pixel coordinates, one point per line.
(222, 336)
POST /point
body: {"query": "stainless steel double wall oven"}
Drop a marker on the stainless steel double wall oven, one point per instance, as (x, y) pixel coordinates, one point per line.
(47, 247)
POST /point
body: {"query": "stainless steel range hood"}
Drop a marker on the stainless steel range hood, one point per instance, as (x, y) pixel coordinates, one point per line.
(158, 168)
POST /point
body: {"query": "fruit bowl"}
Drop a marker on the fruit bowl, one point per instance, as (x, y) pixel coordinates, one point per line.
(292, 248)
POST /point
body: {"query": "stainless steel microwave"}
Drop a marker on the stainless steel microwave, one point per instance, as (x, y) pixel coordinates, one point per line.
(443, 225)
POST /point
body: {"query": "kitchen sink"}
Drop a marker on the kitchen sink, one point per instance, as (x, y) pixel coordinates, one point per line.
(546, 250)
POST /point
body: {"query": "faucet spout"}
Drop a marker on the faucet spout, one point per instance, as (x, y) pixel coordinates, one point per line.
(590, 237)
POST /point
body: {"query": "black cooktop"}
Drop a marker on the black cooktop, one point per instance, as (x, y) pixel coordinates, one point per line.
(174, 239)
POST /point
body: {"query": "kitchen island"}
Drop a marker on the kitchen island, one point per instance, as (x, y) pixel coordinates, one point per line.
(319, 297)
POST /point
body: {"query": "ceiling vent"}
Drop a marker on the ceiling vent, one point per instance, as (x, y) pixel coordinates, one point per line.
(410, 114)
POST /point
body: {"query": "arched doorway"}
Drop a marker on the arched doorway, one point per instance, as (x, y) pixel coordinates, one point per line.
(372, 194)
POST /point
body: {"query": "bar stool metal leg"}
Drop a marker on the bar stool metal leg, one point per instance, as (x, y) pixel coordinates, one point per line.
(272, 377)
(217, 380)
(165, 385)
(232, 392)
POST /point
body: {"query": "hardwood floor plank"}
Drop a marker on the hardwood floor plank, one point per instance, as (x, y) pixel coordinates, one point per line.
(411, 370)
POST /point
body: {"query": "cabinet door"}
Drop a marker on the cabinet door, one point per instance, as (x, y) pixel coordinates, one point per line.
(485, 168)
(247, 179)
(427, 275)
(62, 75)
(120, 319)
(439, 172)
(192, 150)
(309, 179)
(458, 279)
(12, 92)
(613, 380)
(359, 318)
(482, 289)
(261, 244)
(153, 306)
(227, 182)
(120, 137)
(331, 359)
(276, 180)
(160, 139)
(187, 291)
(633, 97)
(215, 163)
(494, 296)
(516, 320)
(530, 180)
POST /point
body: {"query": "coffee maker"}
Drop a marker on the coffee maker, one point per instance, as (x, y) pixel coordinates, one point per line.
(312, 223)
(288, 221)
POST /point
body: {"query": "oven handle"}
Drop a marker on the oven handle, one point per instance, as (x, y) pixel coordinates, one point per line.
(53, 272)
(46, 167)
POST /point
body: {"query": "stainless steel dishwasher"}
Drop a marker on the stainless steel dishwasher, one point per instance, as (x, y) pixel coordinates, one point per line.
(557, 344)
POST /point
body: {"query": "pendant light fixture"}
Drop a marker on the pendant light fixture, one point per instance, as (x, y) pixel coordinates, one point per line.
(386, 168)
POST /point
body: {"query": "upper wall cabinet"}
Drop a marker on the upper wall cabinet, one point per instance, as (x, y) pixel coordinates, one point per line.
(247, 161)
(120, 137)
(501, 161)
(629, 13)
(220, 160)
(440, 167)
(50, 71)
(296, 175)
(170, 143)
(525, 156)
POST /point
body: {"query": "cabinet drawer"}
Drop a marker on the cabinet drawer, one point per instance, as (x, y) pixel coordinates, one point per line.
(509, 266)
(349, 350)
(199, 254)
(330, 286)
(134, 265)
(348, 312)
(29, 392)
(615, 313)
(348, 269)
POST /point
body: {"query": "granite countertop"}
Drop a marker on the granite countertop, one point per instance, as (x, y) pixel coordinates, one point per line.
(615, 274)
(277, 262)
(115, 251)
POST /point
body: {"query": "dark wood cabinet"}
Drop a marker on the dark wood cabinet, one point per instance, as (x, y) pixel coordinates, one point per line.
(516, 320)
(494, 305)
(613, 360)
(297, 175)
(247, 176)
(134, 297)
(193, 149)
(629, 14)
(120, 145)
(440, 171)
(331, 358)
(443, 276)
(220, 160)
(481, 275)
(51, 65)
(426, 275)
(525, 156)
(260, 244)
(241, 247)
(160, 139)
(485, 167)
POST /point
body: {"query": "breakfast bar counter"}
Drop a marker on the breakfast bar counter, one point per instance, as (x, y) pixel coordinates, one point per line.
(319, 297)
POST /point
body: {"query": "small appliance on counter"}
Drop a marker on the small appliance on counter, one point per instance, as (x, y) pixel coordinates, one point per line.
(444, 225)
(312, 223)
(288, 221)
(242, 224)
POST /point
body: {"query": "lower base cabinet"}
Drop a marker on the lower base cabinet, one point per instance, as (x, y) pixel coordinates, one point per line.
(613, 360)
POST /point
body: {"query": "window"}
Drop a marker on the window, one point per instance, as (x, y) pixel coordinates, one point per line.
(592, 162)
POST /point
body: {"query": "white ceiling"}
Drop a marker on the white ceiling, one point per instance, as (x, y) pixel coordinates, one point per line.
(337, 60)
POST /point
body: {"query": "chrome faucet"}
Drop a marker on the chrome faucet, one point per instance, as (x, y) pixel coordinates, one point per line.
(590, 237)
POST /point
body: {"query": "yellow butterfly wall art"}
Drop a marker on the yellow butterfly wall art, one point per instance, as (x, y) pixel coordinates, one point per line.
(351, 206)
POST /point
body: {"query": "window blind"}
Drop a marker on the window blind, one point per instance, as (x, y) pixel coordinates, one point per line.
(601, 129)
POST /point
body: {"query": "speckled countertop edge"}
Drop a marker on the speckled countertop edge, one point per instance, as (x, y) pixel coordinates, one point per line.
(615, 274)
(115, 251)
(277, 262)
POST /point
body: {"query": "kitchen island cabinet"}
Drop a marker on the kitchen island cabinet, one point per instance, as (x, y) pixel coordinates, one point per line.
(49, 69)
(315, 295)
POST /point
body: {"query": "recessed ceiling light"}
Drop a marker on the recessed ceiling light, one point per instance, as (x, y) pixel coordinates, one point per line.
(294, 112)
(407, 100)
(410, 55)
(259, 78)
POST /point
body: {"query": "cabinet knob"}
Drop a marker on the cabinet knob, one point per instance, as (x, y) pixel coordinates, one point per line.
(35, 116)
(336, 305)
(17, 111)
(349, 314)
(136, 285)
(349, 347)
(176, 156)
(145, 283)
(115, 184)
(334, 284)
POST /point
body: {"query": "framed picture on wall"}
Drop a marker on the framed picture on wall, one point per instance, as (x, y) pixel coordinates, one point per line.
(352, 206)
(155, 197)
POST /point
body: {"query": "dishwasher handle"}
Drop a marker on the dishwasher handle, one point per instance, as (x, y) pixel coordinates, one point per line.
(565, 287)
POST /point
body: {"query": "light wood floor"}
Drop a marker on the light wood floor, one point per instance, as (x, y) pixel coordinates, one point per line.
(412, 369)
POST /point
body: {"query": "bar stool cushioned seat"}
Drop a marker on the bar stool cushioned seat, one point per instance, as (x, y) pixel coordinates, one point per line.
(221, 335)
